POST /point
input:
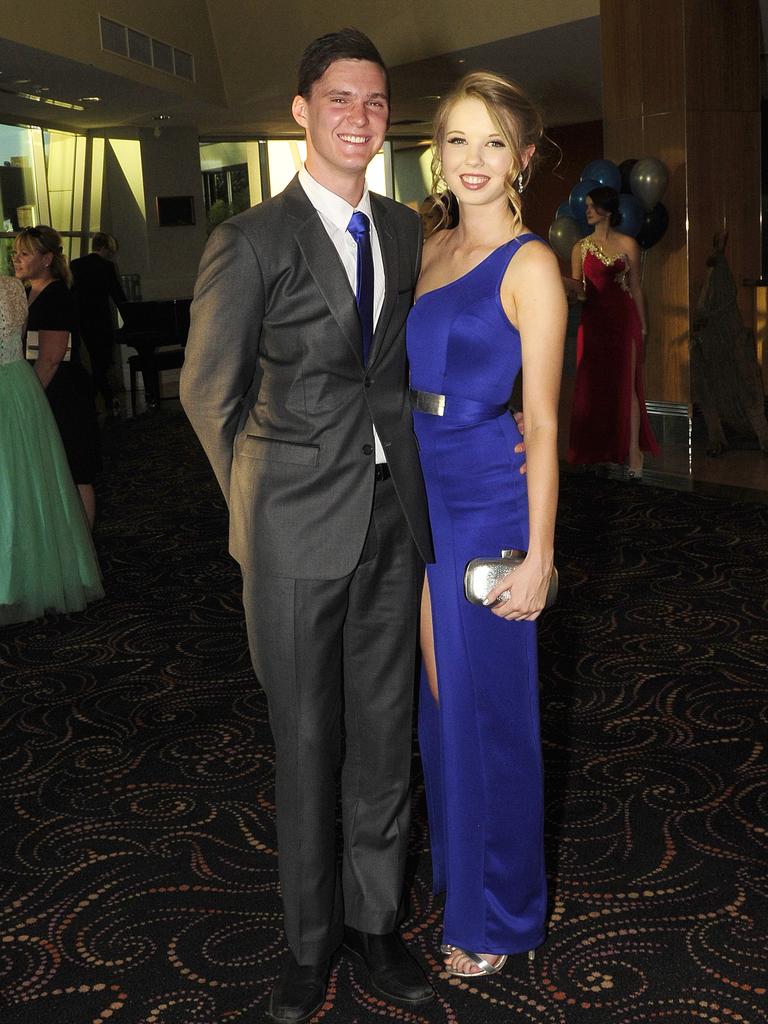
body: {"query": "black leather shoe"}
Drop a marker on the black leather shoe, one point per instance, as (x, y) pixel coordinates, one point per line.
(392, 971)
(299, 992)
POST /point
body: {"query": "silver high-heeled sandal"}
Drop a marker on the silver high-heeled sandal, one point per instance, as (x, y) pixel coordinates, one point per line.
(446, 949)
(485, 966)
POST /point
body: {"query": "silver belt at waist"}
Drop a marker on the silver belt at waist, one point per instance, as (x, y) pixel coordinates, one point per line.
(454, 407)
(426, 401)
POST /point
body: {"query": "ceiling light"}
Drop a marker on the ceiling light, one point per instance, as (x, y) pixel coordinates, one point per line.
(49, 100)
(89, 99)
(161, 117)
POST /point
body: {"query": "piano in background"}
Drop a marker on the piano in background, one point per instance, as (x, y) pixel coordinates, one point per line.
(158, 330)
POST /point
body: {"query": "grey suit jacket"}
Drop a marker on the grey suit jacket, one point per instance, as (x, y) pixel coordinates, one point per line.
(274, 386)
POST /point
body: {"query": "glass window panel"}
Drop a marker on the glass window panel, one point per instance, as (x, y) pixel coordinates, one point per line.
(285, 157)
(376, 175)
(42, 180)
(227, 187)
(6, 264)
(61, 164)
(214, 155)
(139, 46)
(113, 36)
(185, 65)
(162, 56)
(411, 168)
(18, 193)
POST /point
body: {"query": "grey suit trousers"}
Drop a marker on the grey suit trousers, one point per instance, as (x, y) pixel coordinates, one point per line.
(326, 651)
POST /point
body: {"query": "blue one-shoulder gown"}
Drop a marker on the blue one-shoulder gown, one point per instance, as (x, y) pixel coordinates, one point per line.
(481, 749)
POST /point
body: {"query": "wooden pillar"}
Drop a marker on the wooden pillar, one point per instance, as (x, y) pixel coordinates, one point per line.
(681, 83)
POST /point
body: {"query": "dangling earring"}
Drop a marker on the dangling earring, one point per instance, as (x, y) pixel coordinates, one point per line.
(520, 185)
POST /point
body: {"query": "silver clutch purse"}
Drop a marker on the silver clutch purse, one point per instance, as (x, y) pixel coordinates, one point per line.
(482, 574)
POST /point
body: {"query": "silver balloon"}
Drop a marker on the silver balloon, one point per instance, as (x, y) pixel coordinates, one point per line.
(648, 180)
(563, 235)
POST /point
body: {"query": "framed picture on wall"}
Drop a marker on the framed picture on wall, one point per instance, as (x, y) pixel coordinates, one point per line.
(175, 211)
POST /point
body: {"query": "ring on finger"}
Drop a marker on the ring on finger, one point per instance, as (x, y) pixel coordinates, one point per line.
(503, 597)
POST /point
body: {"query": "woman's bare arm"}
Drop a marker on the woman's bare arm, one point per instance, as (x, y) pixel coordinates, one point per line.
(533, 297)
(52, 349)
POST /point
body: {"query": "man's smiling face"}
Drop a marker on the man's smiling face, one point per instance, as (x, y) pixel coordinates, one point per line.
(345, 119)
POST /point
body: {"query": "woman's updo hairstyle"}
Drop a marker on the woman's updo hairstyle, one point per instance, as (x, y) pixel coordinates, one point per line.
(606, 199)
(44, 239)
(518, 120)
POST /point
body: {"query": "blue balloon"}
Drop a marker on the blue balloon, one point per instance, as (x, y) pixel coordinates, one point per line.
(604, 172)
(632, 215)
(578, 200)
(563, 210)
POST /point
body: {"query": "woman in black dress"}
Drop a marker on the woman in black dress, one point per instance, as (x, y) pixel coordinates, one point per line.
(39, 261)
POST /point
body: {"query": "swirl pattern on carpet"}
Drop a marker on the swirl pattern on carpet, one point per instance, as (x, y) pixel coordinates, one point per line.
(138, 863)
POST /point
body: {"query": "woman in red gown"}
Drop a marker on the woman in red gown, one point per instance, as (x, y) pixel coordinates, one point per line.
(609, 422)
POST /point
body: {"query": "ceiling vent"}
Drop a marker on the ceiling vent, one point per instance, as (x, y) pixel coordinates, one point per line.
(143, 49)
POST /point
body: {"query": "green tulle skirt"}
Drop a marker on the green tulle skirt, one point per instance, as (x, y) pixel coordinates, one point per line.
(47, 560)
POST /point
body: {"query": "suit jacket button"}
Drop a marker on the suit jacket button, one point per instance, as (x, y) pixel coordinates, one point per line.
(367, 449)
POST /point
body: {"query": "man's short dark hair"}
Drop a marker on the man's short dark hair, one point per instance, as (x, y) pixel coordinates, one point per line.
(346, 44)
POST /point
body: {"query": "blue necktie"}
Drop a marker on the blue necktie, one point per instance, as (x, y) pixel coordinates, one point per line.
(360, 229)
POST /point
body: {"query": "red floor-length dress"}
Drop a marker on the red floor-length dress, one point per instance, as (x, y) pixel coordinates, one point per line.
(610, 327)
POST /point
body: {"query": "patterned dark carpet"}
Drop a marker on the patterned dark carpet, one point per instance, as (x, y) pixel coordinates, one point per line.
(137, 860)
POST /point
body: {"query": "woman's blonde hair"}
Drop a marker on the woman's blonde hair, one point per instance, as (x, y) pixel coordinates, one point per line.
(44, 239)
(517, 119)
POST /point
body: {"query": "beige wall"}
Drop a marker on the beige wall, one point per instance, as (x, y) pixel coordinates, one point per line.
(403, 30)
(172, 168)
(166, 258)
(72, 31)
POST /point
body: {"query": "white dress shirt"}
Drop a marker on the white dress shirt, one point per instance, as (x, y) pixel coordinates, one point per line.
(335, 213)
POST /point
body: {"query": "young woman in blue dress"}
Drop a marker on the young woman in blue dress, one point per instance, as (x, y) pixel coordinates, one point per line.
(489, 304)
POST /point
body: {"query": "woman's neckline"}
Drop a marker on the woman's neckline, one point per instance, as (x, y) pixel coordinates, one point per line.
(38, 294)
(477, 266)
(596, 245)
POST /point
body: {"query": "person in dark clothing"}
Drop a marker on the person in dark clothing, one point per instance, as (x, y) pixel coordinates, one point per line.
(52, 341)
(95, 283)
(297, 390)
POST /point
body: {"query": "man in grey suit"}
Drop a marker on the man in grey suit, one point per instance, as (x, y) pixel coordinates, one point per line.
(295, 381)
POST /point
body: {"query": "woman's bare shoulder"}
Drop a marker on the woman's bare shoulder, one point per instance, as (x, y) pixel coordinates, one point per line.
(627, 243)
(535, 254)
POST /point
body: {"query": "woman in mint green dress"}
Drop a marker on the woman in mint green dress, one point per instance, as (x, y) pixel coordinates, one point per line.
(47, 560)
